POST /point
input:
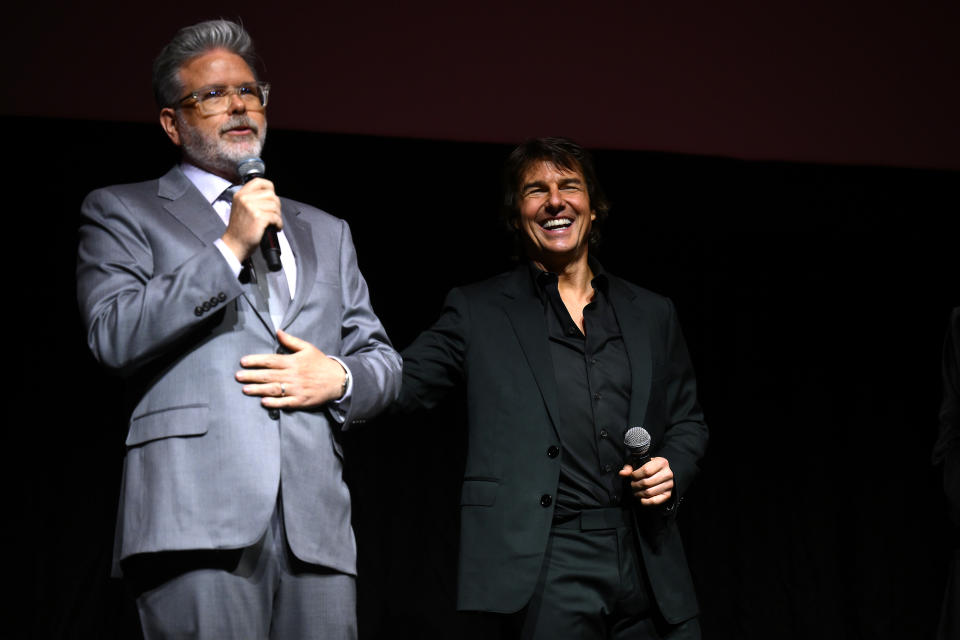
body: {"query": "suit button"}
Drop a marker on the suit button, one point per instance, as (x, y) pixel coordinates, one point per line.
(274, 414)
(222, 297)
(608, 467)
(198, 311)
(206, 305)
(553, 451)
(214, 301)
(546, 500)
(603, 434)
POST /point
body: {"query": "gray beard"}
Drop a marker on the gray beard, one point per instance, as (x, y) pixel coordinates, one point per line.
(215, 154)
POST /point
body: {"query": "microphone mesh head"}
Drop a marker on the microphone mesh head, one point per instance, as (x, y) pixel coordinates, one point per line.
(250, 168)
(637, 440)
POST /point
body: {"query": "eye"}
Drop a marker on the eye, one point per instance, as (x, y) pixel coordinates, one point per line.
(211, 94)
(247, 91)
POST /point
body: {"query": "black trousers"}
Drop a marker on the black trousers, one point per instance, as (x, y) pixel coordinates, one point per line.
(591, 586)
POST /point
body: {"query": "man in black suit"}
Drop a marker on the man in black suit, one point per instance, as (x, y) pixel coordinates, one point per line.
(560, 539)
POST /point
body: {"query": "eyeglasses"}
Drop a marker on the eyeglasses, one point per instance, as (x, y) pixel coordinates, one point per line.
(212, 101)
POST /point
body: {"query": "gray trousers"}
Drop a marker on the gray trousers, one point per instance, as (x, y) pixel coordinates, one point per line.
(259, 592)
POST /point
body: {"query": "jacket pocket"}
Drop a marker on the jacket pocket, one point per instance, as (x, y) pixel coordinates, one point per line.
(185, 420)
(479, 493)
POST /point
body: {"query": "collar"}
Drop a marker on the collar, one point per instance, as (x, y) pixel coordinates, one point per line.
(543, 279)
(209, 185)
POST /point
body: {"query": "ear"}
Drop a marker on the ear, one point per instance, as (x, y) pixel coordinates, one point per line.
(168, 120)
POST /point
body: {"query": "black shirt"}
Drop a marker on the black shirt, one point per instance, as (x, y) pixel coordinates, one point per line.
(592, 373)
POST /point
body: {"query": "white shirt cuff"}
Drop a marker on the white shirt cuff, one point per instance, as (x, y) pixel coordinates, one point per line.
(339, 408)
(231, 259)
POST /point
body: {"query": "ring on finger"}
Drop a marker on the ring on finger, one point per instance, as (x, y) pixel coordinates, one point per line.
(283, 390)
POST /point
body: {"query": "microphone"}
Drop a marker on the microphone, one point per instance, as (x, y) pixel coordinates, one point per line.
(250, 168)
(637, 442)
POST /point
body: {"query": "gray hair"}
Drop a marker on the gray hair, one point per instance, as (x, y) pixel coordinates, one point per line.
(194, 41)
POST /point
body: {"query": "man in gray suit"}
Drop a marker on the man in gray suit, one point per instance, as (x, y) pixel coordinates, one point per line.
(234, 518)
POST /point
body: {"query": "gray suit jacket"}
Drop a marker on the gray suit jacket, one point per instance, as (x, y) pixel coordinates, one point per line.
(492, 337)
(204, 462)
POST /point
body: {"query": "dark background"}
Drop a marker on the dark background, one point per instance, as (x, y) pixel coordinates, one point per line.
(814, 299)
(787, 174)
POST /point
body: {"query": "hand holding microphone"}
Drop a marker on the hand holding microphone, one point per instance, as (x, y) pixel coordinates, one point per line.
(651, 479)
(254, 216)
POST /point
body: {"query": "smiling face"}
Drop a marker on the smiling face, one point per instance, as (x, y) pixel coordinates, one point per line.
(554, 215)
(219, 142)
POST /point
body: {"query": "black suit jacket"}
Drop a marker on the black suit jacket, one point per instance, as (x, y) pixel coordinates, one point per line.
(492, 336)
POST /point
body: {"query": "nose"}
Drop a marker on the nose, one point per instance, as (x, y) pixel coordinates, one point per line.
(236, 103)
(554, 201)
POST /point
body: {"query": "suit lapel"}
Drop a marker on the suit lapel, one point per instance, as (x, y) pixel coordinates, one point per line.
(525, 312)
(635, 328)
(188, 205)
(298, 234)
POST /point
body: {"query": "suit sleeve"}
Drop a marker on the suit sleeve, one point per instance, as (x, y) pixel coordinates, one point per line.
(434, 362)
(131, 313)
(685, 437)
(365, 348)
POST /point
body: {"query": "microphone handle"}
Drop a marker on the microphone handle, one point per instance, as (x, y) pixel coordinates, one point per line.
(270, 247)
(637, 460)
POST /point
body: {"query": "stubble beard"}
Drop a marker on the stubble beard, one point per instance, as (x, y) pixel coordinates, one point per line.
(216, 154)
